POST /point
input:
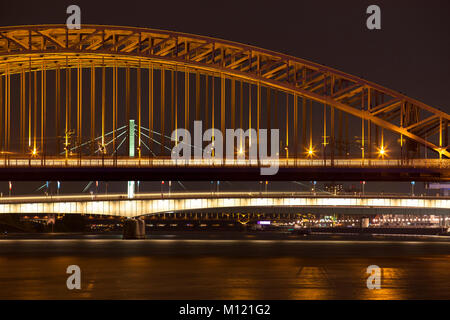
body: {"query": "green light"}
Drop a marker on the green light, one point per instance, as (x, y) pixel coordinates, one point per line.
(131, 137)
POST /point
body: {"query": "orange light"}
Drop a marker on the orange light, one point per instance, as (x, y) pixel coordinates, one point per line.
(382, 151)
(310, 152)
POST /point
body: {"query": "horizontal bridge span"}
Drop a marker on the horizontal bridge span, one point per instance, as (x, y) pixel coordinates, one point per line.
(119, 205)
(12, 161)
(124, 169)
(31, 49)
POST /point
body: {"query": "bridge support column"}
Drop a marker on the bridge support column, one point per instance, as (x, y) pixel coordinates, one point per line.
(134, 229)
(364, 222)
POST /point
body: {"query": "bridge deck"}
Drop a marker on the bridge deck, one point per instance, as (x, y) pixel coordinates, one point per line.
(91, 168)
(144, 204)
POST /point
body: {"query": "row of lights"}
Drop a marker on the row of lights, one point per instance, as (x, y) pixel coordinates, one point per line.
(378, 220)
(382, 152)
(310, 151)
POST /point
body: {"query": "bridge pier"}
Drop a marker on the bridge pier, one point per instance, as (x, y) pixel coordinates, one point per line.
(134, 229)
(364, 222)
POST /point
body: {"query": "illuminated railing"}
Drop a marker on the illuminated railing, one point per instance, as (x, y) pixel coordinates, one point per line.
(158, 162)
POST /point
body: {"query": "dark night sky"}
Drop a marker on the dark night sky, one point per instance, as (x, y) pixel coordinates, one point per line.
(410, 54)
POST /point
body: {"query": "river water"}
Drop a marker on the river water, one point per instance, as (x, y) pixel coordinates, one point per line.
(244, 268)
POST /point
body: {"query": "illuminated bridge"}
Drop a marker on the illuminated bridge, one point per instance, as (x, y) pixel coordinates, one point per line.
(223, 202)
(100, 103)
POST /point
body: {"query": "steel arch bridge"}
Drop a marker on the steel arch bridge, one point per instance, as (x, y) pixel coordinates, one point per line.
(67, 98)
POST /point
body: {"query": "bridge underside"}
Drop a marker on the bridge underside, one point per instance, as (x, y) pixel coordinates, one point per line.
(282, 210)
(224, 174)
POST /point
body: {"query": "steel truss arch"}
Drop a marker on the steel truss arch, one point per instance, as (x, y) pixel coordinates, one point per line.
(28, 46)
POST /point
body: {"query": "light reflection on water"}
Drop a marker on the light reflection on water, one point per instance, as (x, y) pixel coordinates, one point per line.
(223, 269)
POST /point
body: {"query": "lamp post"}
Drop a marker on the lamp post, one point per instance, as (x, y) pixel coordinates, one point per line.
(412, 187)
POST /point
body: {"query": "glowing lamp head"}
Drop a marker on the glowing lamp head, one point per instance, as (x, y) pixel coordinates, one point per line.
(382, 152)
(34, 152)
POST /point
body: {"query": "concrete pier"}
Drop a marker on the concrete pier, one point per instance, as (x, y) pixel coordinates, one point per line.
(134, 229)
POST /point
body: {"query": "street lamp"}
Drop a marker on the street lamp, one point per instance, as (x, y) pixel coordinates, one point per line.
(310, 152)
(412, 187)
(382, 151)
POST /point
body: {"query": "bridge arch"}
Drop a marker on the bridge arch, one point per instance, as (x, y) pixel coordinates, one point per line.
(28, 52)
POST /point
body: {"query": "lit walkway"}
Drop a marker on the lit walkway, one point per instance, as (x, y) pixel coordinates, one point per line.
(61, 162)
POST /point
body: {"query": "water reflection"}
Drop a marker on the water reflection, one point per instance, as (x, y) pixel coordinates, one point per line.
(213, 269)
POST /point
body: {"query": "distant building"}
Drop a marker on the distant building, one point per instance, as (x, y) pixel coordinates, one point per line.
(444, 188)
(334, 188)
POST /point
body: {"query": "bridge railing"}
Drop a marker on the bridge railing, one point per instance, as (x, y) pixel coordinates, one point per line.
(61, 162)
